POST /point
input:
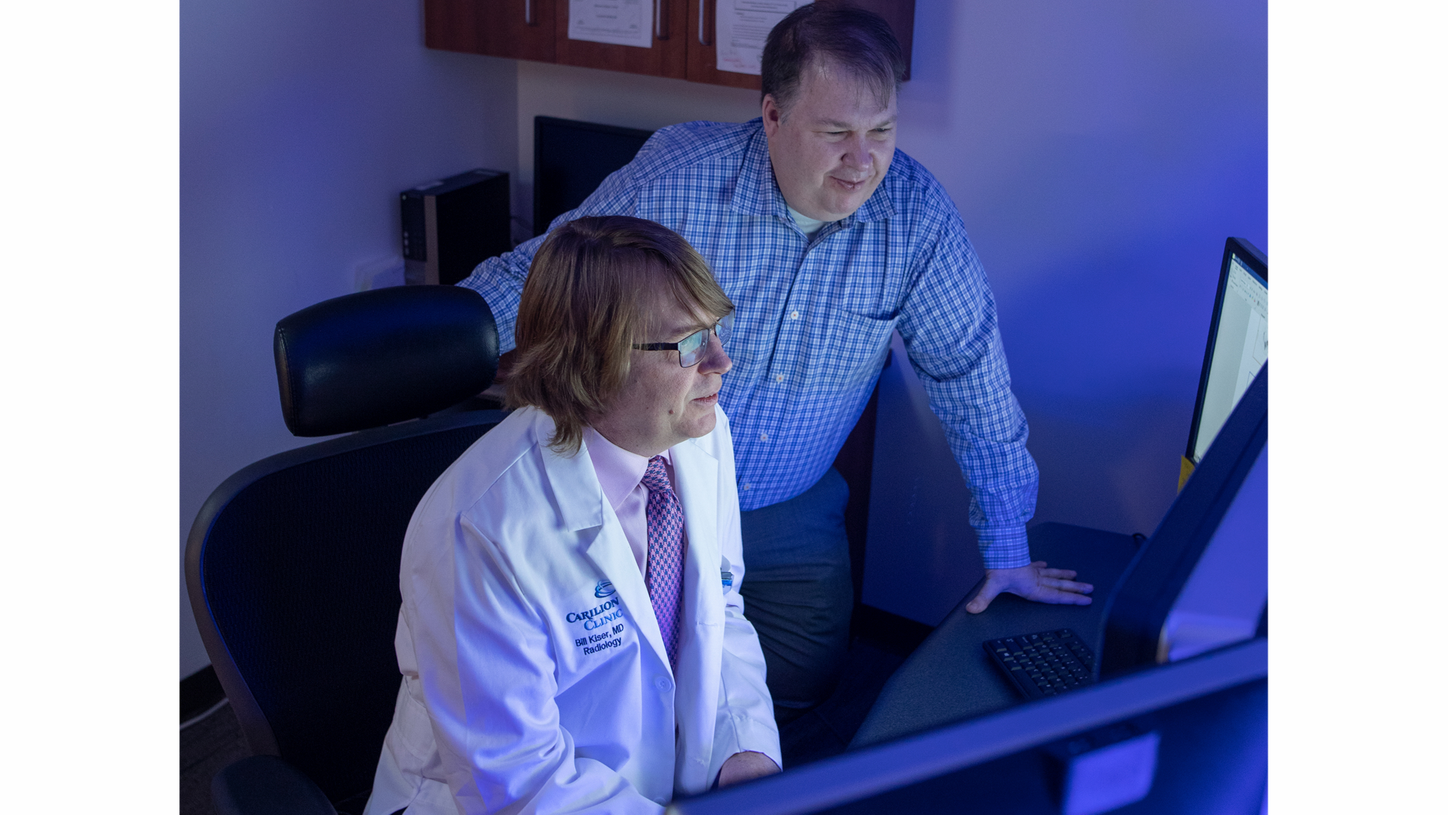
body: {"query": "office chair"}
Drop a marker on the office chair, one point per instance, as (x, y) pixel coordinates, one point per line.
(292, 563)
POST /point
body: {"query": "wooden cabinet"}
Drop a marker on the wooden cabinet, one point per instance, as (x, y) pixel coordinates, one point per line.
(682, 47)
(521, 29)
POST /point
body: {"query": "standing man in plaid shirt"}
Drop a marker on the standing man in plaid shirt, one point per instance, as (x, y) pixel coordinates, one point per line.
(828, 239)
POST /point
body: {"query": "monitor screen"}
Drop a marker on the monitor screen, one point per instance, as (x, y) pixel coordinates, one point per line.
(570, 160)
(1237, 342)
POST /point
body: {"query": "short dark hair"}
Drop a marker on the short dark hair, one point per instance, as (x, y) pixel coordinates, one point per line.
(857, 40)
(592, 292)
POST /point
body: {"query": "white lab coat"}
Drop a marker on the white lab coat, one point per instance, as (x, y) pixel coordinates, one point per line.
(534, 675)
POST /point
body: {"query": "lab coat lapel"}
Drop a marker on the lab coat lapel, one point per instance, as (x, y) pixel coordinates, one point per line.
(585, 512)
(697, 680)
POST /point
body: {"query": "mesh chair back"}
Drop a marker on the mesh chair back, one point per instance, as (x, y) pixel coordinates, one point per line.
(294, 563)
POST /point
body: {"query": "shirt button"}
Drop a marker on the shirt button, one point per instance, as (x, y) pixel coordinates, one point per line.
(746, 485)
(764, 437)
(794, 315)
(779, 377)
(662, 683)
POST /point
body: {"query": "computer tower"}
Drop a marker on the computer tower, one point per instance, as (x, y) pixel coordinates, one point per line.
(452, 225)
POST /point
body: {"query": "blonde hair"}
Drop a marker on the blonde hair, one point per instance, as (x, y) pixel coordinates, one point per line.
(591, 294)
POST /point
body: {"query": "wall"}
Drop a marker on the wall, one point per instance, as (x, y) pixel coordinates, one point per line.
(300, 124)
(1100, 155)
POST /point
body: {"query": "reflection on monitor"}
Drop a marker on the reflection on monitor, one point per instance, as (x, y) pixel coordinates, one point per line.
(1223, 599)
(1200, 582)
(1237, 343)
(1186, 739)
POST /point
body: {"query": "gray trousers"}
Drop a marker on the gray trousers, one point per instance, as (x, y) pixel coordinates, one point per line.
(798, 593)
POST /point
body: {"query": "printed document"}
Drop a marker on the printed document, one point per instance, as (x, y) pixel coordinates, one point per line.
(619, 22)
(740, 27)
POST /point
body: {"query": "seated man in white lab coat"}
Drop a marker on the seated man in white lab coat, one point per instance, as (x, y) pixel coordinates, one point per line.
(571, 636)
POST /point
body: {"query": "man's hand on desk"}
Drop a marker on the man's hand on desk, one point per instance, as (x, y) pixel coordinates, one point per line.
(1033, 582)
(745, 766)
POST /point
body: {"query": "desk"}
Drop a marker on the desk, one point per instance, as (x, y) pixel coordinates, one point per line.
(949, 678)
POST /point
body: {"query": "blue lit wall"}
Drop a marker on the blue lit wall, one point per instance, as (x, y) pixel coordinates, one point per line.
(1100, 155)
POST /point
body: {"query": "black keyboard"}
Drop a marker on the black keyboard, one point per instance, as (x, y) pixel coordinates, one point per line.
(1043, 664)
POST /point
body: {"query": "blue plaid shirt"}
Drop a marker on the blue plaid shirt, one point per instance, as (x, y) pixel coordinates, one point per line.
(814, 316)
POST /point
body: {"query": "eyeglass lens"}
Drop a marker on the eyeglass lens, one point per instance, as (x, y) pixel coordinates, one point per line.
(693, 347)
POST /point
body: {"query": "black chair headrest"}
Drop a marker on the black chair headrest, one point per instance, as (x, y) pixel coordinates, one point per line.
(383, 356)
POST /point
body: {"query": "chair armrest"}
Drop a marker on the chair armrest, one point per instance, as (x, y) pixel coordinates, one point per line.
(267, 785)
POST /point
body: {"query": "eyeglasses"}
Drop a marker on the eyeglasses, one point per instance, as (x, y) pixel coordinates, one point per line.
(693, 347)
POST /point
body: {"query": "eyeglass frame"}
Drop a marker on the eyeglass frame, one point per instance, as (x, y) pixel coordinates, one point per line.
(719, 329)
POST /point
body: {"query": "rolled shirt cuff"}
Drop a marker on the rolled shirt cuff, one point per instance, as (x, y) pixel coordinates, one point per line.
(1006, 550)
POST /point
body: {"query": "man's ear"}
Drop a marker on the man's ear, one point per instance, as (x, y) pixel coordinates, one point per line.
(769, 109)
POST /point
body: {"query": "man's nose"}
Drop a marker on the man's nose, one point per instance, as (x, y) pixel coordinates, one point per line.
(857, 153)
(716, 360)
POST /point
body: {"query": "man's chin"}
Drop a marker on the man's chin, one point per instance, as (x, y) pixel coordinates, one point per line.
(705, 425)
(840, 208)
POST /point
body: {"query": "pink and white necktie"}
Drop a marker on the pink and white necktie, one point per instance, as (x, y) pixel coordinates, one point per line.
(665, 575)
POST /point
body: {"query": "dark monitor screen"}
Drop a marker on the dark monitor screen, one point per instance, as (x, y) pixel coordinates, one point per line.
(570, 160)
(1188, 738)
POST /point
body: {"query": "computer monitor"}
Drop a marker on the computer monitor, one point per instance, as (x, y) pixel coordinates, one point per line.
(1236, 346)
(1188, 738)
(570, 160)
(1200, 581)
(1176, 721)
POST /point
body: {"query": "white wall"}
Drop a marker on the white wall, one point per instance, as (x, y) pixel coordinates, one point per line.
(300, 124)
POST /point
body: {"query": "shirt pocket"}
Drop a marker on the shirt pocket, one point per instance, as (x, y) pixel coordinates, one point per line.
(853, 346)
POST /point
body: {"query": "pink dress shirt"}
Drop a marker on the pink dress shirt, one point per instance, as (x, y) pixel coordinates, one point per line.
(621, 475)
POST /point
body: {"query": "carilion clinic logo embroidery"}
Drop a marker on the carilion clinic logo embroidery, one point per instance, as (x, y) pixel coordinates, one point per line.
(604, 589)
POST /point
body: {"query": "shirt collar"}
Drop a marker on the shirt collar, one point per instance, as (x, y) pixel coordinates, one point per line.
(757, 193)
(619, 471)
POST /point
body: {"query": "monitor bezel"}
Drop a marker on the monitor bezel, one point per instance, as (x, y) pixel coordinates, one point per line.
(1256, 262)
(1139, 603)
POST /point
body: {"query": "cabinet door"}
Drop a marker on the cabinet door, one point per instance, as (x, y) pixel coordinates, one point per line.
(703, 56)
(666, 56)
(519, 29)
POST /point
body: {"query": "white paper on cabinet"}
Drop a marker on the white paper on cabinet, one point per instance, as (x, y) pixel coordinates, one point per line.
(741, 27)
(619, 22)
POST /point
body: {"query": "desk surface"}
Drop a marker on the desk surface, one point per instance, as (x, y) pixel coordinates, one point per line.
(949, 678)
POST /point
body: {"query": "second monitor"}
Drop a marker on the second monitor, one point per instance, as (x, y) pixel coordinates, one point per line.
(570, 160)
